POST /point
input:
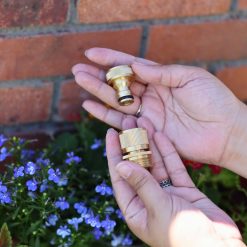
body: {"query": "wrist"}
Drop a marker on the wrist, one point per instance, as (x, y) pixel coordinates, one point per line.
(234, 155)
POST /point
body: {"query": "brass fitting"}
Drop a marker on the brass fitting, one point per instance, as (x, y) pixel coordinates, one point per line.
(120, 78)
(135, 146)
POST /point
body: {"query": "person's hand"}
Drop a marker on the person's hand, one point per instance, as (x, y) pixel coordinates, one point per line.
(191, 106)
(179, 215)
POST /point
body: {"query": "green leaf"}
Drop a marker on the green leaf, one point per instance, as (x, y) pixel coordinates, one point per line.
(5, 236)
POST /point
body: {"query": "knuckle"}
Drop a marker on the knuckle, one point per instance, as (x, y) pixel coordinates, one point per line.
(140, 181)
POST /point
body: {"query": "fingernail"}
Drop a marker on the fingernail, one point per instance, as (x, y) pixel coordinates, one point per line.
(86, 53)
(124, 170)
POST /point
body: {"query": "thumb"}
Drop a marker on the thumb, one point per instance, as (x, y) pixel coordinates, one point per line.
(142, 183)
(167, 75)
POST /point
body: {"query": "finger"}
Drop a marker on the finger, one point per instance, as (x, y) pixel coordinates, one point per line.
(129, 122)
(142, 183)
(125, 195)
(90, 69)
(167, 75)
(109, 57)
(105, 114)
(104, 92)
(174, 166)
(158, 168)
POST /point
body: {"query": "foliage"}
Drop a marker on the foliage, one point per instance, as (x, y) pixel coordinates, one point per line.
(61, 195)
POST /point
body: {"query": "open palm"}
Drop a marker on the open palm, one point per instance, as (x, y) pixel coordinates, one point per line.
(179, 215)
(190, 105)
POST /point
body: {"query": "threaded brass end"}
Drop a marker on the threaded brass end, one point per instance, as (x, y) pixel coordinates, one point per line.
(135, 146)
(120, 78)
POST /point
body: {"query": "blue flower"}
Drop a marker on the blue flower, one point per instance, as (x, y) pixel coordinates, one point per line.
(63, 231)
(3, 153)
(80, 208)
(3, 139)
(127, 241)
(109, 210)
(5, 198)
(97, 233)
(54, 175)
(51, 220)
(63, 181)
(72, 158)
(30, 168)
(27, 154)
(62, 203)
(97, 143)
(3, 188)
(43, 186)
(19, 171)
(91, 220)
(43, 162)
(104, 189)
(75, 222)
(116, 240)
(104, 152)
(108, 225)
(119, 214)
(31, 185)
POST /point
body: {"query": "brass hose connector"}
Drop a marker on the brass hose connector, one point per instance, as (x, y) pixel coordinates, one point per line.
(135, 146)
(120, 78)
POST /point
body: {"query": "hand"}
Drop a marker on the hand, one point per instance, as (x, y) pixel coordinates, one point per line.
(179, 215)
(188, 104)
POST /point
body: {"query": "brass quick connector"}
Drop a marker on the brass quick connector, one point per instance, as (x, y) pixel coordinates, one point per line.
(135, 146)
(120, 78)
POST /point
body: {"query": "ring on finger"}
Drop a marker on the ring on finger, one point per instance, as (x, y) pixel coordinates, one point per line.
(165, 183)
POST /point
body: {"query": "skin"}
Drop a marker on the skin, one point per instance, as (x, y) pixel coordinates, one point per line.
(185, 109)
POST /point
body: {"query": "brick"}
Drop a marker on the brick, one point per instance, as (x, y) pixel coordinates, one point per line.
(208, 41)
(70, 101)
(15, 13)
(50, 55)
(242, 4)
(25, 104)
(236, 79)
(127, 10)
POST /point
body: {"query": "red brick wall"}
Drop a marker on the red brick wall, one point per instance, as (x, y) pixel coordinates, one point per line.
(41, 40)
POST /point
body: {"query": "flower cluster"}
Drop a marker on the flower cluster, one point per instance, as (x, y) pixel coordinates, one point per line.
(40, 194)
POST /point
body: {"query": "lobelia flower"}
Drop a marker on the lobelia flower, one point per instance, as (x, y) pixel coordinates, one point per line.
(63, 181)
(62, 203)
(97, 143)
(27, 154)
(104, 189)
(51, 220)
(109, 210)
(30, 168)
(91, 220)
(75, 222)
(43, 162)
(108, 225)
(4, 153)
(31, 185)
(19, 171)
(5, 198)
(43, 186)
(3, 139)
(72, 158)
(54, 175)
(119, 214)
(116, 240)
(3, 188)
(97, 233)
(127, 241)
(80, 208)
(63, 231)
(104, 152)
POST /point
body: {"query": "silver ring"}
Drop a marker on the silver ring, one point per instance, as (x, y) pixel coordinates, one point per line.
(165, 183)
(138, 113)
